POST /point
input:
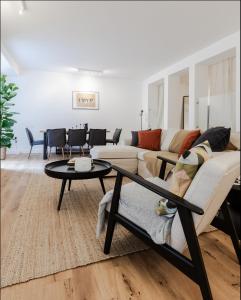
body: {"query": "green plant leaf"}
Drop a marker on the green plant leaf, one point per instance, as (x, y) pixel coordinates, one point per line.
(7, 93)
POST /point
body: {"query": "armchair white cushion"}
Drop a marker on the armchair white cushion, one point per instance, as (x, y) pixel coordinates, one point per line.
(208, 190)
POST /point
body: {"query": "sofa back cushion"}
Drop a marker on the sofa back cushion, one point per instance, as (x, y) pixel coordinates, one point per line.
(149, 139)
(208, 190)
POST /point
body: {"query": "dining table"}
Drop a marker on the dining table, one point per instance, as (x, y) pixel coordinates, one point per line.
(45, 144)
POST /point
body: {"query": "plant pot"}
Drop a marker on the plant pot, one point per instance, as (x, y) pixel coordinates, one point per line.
(3, 153)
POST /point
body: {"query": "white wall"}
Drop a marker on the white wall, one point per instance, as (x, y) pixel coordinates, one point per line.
(191, 62)
(44, 100)
(177, 88)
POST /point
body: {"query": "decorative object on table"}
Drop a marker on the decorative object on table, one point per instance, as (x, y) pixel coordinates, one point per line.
(71, 162)
(60, 169)
(83, 164)
(116, 137)
(85, 100)
(8, 92)
(31, 140)
(97, 137)
(56, 138)
(185, 112)
(141, 116)
(76, 137)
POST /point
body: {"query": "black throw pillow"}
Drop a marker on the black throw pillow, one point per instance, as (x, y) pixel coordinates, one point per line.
(218, 138)
(134, 140)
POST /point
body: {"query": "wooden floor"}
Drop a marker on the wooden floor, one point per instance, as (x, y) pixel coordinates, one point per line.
(142, 276)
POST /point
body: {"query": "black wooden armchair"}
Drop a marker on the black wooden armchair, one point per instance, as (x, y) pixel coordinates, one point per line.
(190, 215)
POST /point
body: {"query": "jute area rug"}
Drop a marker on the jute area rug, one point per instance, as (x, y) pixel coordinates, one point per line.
(43, 241)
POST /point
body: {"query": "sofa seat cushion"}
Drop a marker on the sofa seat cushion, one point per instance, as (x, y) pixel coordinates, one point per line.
(153, 164)
(166, 154)
(109, 152)
(128, 164)
(141, 154)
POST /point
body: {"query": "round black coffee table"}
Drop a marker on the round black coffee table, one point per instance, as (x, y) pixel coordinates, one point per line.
(60, 169)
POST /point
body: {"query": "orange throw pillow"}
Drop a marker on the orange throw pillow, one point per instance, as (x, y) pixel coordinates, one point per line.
(188, 141)
(150, 139)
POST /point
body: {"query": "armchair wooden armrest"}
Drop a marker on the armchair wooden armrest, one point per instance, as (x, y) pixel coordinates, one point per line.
(164, 165)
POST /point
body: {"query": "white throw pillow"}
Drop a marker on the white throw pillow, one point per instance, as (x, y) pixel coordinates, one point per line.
(168, 137)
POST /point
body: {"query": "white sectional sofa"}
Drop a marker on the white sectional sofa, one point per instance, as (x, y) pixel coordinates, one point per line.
(132, 158)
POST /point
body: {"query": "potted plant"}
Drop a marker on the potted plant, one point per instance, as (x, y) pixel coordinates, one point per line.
(7, 92)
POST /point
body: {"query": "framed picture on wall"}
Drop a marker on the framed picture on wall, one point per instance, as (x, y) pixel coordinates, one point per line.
(85, 100)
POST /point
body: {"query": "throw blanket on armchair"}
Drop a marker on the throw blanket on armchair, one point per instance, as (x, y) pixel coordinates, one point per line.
(138, 204)
(183, 174)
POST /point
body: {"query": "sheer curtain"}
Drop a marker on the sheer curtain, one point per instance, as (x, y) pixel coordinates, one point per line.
(156, 107)
(221, 93)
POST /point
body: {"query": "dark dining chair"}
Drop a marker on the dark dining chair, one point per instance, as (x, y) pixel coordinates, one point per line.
(116, 137)
(31, 140)
(97, 137)
(56, 138)
(76, 137)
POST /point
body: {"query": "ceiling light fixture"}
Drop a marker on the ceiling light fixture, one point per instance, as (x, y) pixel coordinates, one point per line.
(90, 72)
(22, 7)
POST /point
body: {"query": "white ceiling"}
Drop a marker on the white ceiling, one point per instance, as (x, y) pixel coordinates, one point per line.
(132, 39)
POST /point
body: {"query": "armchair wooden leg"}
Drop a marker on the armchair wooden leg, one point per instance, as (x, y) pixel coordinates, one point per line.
(231, 229)
(62, 151)
(109, 234)
(195, 252)
(70, 151)
(113, 210)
